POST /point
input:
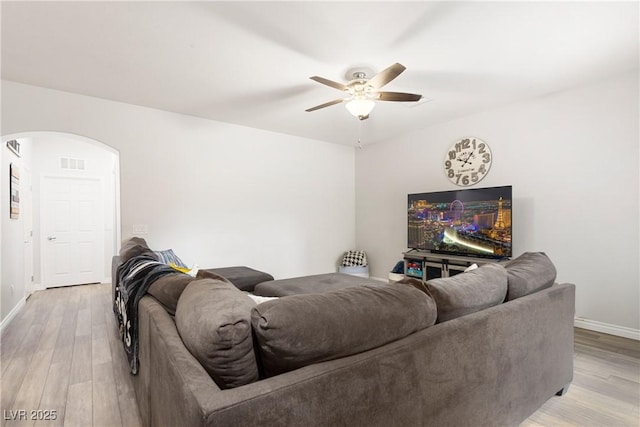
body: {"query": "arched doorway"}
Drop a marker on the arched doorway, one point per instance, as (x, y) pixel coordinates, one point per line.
(72, 209)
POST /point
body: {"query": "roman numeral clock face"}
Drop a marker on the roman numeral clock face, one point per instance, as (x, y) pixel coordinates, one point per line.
(468, 161)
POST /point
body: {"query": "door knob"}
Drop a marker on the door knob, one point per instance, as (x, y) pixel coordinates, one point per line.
(51, 238)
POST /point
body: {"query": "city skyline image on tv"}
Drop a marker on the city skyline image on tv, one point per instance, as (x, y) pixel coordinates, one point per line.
(463, 222)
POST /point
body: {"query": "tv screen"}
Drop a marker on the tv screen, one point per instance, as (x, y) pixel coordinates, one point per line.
(473, 222)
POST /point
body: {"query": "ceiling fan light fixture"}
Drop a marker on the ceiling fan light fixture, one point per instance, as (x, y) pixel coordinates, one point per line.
(360, 107)
(360, 94)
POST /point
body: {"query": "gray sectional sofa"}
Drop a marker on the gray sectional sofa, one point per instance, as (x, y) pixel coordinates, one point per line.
(483, 348)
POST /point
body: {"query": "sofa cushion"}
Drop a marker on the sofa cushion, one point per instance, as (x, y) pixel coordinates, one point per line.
(469, 292)
(244, 278)
(168, 288)
(300, 330)
(210, 274)
(133, 247)
(416, 283)
(529, 273)
(311, 284)
(213, 318)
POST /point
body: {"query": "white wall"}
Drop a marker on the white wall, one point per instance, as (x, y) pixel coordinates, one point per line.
(572, 158)
(12, 289)
(218, 194)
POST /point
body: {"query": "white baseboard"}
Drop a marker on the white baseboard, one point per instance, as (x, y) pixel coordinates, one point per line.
(106, 280)
(12, 314)
(606, 328)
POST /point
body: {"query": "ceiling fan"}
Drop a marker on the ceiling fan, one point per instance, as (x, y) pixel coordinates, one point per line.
(363, 92)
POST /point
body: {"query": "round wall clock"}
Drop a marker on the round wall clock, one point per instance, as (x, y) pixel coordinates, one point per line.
(468, 161)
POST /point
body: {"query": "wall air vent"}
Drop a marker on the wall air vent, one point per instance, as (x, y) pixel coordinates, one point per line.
(73, 164)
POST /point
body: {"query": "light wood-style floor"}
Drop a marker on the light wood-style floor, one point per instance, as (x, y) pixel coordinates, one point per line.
(61, 353)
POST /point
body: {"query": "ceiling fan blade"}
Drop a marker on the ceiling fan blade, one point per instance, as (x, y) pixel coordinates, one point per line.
(328, 82)
(326, 104)
(398, 96)
(386, 75)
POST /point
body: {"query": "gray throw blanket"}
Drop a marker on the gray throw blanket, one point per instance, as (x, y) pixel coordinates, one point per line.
(134, 278)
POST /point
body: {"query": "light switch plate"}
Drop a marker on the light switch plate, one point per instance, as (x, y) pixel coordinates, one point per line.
(140, 229)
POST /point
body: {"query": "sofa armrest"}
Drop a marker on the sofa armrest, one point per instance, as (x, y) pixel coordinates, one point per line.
(171, 387)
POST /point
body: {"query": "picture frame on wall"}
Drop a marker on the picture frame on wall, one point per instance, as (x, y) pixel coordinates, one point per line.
(14, 146)
(14, 191)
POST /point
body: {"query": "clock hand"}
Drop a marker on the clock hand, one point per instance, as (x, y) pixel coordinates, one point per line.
(468, 158)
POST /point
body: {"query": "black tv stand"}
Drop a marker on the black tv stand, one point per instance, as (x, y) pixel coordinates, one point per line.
(425, 265)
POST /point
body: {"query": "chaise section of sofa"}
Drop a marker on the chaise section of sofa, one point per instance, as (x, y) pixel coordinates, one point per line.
(492, 367)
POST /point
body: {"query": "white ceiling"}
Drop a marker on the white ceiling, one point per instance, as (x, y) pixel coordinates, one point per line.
(250, 63)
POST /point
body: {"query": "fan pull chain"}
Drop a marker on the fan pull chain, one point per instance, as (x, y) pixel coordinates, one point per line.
(359, 144)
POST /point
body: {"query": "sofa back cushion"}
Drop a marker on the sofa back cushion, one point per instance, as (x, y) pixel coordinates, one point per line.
(168, 288)
(469, 292)
(529, 273)
(133, 247)
(213, 318)
(300, 330)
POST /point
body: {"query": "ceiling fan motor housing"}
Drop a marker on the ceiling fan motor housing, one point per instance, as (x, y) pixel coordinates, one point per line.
(358, 87)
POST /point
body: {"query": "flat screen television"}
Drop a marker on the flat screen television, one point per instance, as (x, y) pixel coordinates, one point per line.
(470, 221)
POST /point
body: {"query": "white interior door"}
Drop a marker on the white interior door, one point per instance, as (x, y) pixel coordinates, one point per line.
(72, 231)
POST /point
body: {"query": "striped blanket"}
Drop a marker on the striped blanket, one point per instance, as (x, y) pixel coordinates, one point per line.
(134, 278)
